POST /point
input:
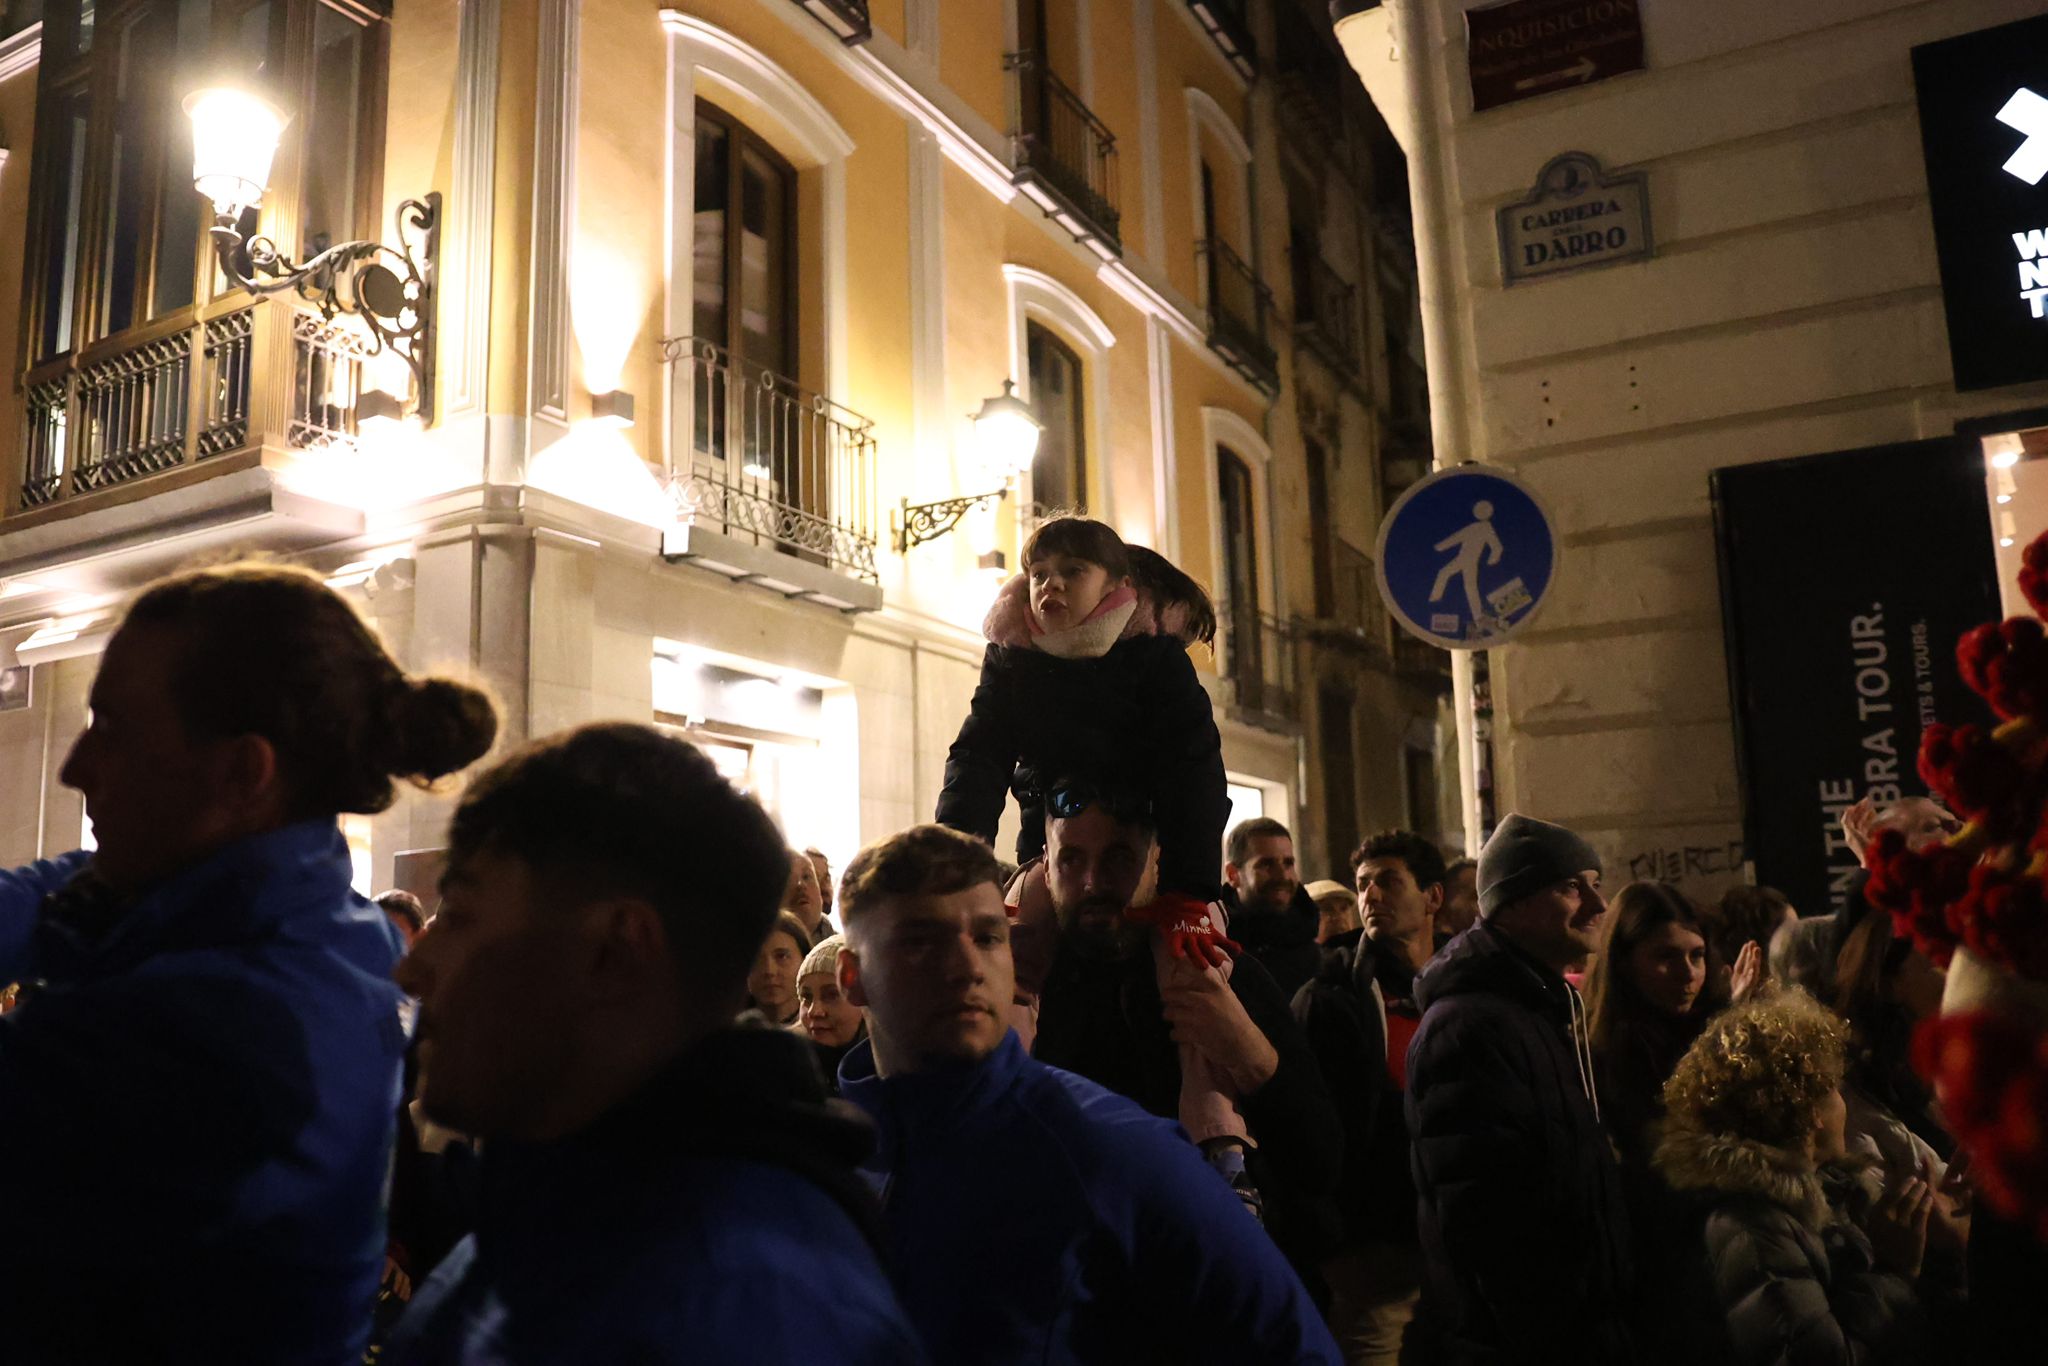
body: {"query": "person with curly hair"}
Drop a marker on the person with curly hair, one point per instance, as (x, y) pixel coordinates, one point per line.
(1788, 1264)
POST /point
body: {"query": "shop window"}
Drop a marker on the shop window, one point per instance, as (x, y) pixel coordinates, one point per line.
(1059, 476)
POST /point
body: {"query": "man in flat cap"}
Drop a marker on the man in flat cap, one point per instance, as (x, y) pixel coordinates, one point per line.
(1524, 1231)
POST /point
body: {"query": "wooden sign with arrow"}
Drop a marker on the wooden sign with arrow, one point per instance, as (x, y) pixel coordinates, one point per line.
(1522, 48)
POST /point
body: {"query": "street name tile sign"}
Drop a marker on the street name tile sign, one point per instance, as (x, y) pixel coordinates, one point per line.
(1578, 215)
(1984, 130)
(1466, 556)
(1524, 48)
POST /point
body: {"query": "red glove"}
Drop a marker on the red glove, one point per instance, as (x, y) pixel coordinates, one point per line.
(1185, 925)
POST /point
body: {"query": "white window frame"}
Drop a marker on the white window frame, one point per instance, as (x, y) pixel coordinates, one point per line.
(1223, 427)
(1037, 297)
(705, 61)
(1205, 114)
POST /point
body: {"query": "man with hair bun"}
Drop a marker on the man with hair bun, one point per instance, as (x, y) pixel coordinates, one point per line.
(658, 1186)
(198, 1091)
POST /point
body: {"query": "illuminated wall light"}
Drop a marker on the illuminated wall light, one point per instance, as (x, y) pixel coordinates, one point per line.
(2004, 498)
(2005, 460)
(2004, 450)
(613, 410)
(609, 296)
(19, 588)
(2005, 540)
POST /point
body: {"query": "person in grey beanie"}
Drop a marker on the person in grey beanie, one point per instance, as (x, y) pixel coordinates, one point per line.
(1524, 1228)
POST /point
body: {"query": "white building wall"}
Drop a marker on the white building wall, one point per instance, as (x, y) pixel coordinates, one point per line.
(1793, 306)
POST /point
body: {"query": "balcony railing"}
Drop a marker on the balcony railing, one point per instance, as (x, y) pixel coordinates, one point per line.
(1240, 313)
(848, 19)
(1357, 617)
(1258, 657)
(129, 409)
(1225, 21)
(1065, 156)
(1418, 661)
(771, 463)
(1326, 313)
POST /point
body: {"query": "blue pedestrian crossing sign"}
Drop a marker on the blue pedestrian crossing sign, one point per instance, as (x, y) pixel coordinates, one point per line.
(1466, 557)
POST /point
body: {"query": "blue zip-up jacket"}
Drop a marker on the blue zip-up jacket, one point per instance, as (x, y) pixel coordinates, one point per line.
(1033, 1216)
(198, 1097)
(715, 1218)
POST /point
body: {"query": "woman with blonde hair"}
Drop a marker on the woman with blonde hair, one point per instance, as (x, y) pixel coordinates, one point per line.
(1785, 1263)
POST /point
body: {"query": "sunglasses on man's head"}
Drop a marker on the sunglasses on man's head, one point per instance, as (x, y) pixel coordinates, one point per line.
(1067, 800)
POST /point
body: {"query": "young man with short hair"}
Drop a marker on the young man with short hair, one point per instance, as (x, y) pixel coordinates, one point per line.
(1359, 1015)
(1032, 1215)
(1525, 1233)
(657, 1185)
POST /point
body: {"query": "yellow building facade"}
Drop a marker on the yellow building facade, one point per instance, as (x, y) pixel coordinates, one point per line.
(715, 291)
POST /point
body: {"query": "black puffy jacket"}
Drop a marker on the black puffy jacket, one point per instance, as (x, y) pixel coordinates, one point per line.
(1136, 718)
(1519, 1204)
(1774, 1270)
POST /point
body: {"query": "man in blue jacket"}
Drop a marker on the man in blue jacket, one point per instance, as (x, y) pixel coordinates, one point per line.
(1032, 1216)
(657, 1186)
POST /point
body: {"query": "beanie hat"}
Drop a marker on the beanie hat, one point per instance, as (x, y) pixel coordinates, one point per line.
(1526, 855)
(824, 958)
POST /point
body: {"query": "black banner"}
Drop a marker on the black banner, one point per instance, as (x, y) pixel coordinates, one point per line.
(1984, 128)
(1846, 580)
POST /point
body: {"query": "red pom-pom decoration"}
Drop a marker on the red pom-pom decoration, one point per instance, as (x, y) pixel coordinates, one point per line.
(2006, 663)
(1977, 776)
(2034, 574)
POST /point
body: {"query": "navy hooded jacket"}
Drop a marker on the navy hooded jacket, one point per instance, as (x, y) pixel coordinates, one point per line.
(1523, 1222)
(1034, 1217)
(197, 1104)
(715, 1218)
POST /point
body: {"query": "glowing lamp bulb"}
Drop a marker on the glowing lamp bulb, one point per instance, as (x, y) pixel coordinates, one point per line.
(234, 137)
(1006, 433)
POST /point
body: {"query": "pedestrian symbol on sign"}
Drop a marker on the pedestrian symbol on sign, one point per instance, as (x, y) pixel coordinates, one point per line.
(1466, 557)
(1476, 540)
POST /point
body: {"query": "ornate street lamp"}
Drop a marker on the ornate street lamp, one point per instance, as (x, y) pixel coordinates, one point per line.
(234, 138)
(1006, 436)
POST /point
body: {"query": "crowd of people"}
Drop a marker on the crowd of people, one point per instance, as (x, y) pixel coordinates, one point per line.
(643, 1082)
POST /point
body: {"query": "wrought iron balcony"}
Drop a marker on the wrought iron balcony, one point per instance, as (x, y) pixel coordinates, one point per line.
(848, 19)
(770, 463)
(1240, 313)
(1225, 21)
(1357, 618)
(1258, 657)
(1065, 156)
(165, 399)
(1326, 313)
(1418, 661)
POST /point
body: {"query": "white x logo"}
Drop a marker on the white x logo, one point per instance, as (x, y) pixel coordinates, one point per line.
(2028, 113)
